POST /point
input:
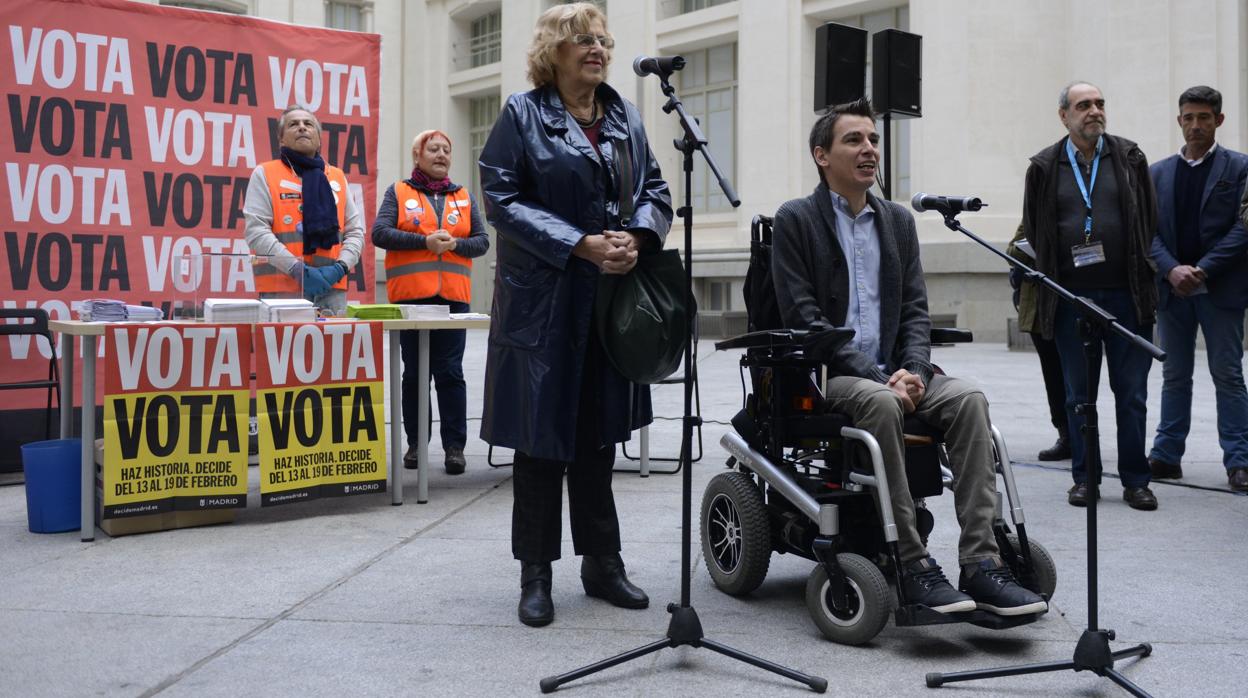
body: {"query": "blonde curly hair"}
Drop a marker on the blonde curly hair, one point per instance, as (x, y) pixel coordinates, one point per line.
(556, 25)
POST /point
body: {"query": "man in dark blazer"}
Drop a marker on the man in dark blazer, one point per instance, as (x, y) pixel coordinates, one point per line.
(843, 258)
(1202, 281)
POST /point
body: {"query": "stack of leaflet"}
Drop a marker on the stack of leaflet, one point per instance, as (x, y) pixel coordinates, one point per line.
(380, 311)
(144, 313)
(109, 310)
(231, 310)
(287, 310)
(427, 312)
(102, 310)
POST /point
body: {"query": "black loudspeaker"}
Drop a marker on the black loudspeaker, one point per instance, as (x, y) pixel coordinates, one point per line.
(840, 64)
(897, 74)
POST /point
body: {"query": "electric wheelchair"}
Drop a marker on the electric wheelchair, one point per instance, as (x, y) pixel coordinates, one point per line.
(804, 480)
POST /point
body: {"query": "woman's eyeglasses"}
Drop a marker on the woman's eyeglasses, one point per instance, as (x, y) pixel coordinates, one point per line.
(588, 41)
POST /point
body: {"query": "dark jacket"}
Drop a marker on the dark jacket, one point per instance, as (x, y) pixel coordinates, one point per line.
(812, 283)
(1223, 238)
(1138, 208)
(544, 188)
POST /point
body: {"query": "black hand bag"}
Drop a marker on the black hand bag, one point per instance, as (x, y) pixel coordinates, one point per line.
(642, 317)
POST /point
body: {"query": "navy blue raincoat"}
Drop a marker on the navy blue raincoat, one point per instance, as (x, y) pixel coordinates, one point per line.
(544, 188)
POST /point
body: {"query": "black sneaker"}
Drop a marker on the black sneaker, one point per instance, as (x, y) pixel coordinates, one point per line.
(924, 583)
(410, 459)
(994, 590)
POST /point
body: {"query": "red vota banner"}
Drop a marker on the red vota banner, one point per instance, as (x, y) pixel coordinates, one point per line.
(132, 130)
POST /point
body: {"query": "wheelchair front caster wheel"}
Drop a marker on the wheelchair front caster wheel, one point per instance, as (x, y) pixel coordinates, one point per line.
(1042, 565)
(870, 601)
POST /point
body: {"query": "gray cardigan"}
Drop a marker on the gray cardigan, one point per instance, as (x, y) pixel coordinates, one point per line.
(812, 283)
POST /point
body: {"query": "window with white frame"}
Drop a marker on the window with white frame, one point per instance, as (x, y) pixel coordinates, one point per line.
(485, 39)
(482, 112)
(695, 5)
(234, 7)
(708, 88)
(898, 165)
(602, 4)
(352, 15)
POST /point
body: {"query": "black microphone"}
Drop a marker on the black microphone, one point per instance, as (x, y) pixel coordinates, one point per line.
(661, 66)
(946, 204)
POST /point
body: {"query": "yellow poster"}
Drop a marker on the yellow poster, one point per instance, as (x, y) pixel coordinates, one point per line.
(319, 399)
(175, 418)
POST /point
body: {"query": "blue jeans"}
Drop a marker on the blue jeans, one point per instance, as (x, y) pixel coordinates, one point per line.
(1128, 379)
(1224, 339)
(446, 369)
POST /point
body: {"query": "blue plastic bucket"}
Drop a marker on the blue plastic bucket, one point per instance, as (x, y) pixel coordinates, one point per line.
(53, 485)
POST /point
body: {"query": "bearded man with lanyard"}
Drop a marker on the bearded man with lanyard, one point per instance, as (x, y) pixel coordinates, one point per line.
(1090, 213)
(300, 215)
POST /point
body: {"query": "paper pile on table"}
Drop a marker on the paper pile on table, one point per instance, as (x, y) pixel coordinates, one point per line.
(287, 310)
(376, 311)
(426, 312)
(110, 310)
(232, 310)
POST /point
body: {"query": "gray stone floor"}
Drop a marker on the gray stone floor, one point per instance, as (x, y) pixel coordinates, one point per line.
(356, 597)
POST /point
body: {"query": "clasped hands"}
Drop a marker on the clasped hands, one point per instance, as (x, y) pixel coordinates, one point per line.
(1185, 279)
(908, 388)
(318, 280)
(613, 252)
(440, 241)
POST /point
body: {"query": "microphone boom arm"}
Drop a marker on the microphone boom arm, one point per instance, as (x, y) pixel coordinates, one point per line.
(1089, 311)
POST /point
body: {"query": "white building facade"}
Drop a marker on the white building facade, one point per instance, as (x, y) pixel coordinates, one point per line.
(992, 70)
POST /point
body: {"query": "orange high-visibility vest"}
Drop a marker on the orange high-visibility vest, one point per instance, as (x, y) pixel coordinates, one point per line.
(286, 193)
(417, 274)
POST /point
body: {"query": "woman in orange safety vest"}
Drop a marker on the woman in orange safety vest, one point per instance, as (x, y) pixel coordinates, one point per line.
(431, 229)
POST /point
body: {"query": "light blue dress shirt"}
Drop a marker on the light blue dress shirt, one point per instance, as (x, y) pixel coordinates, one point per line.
(861, 245)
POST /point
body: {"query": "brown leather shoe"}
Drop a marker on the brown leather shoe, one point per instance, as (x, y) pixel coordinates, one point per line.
(1237, 478)
(455, 462)
(1077, 496)
(1140, 498)
(410, 459)
(1165, 471)
(1060, 450)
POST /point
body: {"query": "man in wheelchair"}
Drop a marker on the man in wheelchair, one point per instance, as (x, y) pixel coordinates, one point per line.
(842, 257)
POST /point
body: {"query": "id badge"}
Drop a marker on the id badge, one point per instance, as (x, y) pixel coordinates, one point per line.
(1088, 254)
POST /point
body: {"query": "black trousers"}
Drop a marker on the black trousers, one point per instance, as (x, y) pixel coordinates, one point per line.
(537, 486)
(1054, 382)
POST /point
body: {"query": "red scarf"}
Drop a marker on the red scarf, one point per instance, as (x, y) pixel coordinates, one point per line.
(423, 181)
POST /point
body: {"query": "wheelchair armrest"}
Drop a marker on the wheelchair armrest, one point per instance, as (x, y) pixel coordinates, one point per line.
(951, 335)
(762, 339)
(824, 343)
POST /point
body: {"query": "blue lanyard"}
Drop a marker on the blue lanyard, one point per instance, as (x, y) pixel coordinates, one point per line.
(1085, 189)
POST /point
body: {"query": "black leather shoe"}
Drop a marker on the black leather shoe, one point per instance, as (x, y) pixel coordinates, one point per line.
(1077, 495)
(1140, 498)
(455, 462)
(535, 609)
(1165, 471)
(1060, 450)
(1237, 478)
(410, 461)
(603, 577)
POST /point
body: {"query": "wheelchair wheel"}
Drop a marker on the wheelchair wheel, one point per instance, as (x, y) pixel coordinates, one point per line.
(870, 601)
(1041, 562)
(736, 535)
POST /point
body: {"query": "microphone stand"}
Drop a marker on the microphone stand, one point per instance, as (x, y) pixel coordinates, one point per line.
(1092, 653)
(684, 627)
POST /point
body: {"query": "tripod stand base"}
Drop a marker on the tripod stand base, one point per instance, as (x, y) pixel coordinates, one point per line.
(684, 629)
(1091, 654)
